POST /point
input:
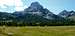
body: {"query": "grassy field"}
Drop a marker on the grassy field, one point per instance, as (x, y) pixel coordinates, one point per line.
(38, 31)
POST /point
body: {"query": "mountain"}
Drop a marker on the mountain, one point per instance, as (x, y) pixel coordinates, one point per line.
(66, 13)
(36, 9)
(6, 17)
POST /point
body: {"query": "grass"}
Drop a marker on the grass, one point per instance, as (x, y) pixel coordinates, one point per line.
(39, 31)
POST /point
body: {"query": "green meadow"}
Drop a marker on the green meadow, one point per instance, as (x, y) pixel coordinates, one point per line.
(38, 31)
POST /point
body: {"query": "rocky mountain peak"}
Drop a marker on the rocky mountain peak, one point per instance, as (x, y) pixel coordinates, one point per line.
(35, 3)
(66, 13)
(72, 11)
(34, 7)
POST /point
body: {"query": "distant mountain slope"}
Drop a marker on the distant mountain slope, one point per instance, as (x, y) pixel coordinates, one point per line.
(72, 18)
(66, 13)
(6, 16)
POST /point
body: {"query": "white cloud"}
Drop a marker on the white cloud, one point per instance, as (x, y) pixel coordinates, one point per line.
(19, 8)
(25, 7)
(19, 5)
(3, 6)
(16, 4)
(6, 5)
(7, 2)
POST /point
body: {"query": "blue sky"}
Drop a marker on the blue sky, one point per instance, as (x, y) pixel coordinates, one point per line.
(54, 6)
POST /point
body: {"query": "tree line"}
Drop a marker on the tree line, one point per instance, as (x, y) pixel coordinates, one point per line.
(52, 23)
